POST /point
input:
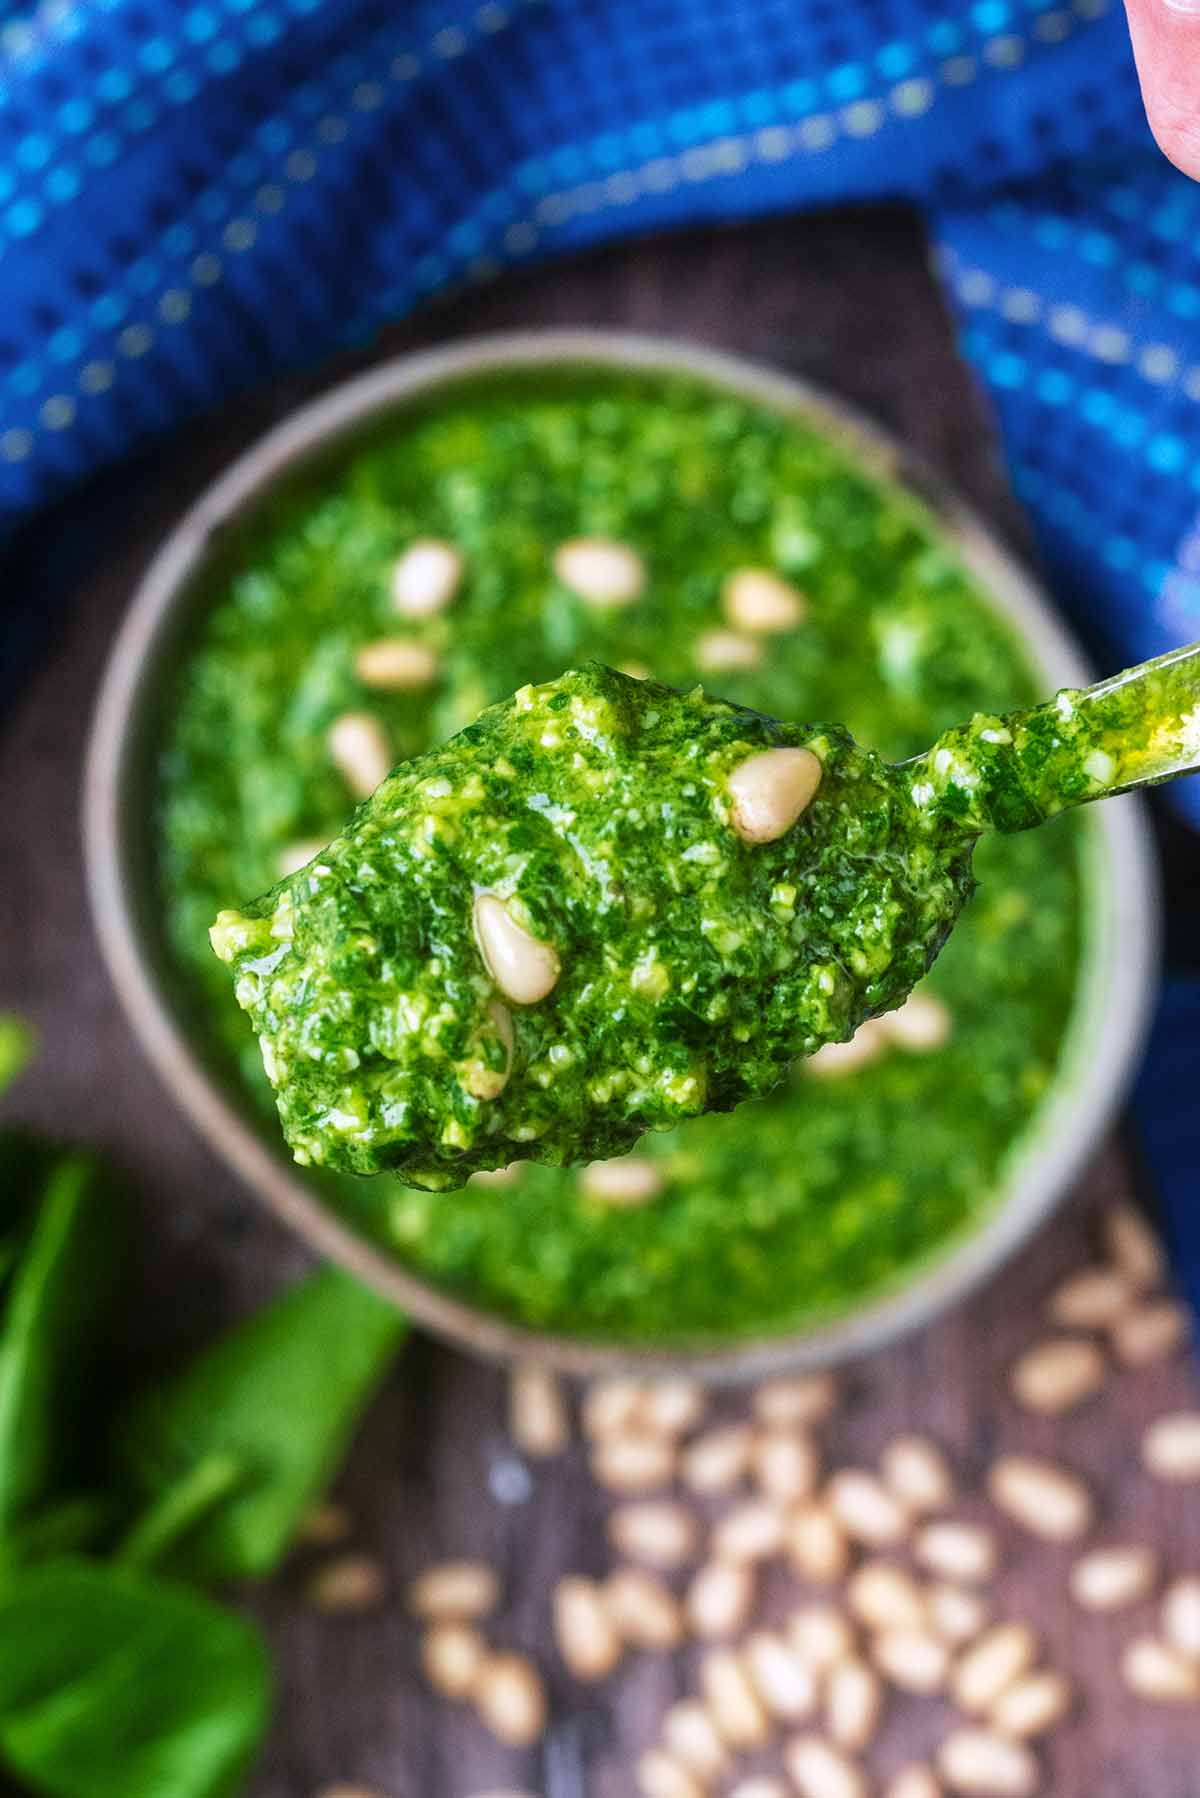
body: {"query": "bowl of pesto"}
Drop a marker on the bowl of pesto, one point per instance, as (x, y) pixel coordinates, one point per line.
(407, 550)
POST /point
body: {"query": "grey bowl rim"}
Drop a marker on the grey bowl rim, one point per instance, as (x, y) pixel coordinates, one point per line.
(1121, 954)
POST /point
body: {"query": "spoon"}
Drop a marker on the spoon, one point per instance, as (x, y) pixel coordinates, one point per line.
(607, 906)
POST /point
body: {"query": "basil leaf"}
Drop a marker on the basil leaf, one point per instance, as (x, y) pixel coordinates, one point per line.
(280, 1395)
(16, 1046)
(58, 1293)
(67, 1526)
(113, 1685)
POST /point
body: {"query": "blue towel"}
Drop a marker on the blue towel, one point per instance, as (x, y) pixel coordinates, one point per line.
(193, 196)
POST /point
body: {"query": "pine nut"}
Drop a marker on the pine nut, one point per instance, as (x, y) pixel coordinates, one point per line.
(662, 1533)
(360, 751)
(917, 1781)
(645, 1611)
(1133, 1248)
(452, 1655)
(920, 1025)
(346, 1791)
(726, 652)
(1171, 1447)
(784, 1681)
(1181, 1616)
(691, 1736)
(660, 1775)
(587, 1637)
(295, 856)
(751, 1531)
(755, 599)
(1057, 1375)
(611, 1407)
(770, 790)
(732, 1701)
(426, 578)
(672, 1406)
(497, 1176)
(1151, 1333)
(786, 1465)
(719, 1599)
(956, 1614)
(717, 1460)
(454, 1591)
(396, 665)
(600, 571)
(524, 968)
(795, 1400)
(1108, 1579)
(836, 1060)
(627, 1181)
(817, 1545)
(347, 1587)
(1093, 1299)
(980, 1764)
(964, 1552)
(538, 1420)
(1001, 1656)
(758, 1788)
(853, 1704)
(1043, 1498)
(327, 1524)
(634, 1462)
(821, 1636)
(918, 1473)
(511, 1699)
(1156, 1671)
(819, 1770)
(866, 1509)
(1034, 1705)
(912, 1661)
(884, 1596)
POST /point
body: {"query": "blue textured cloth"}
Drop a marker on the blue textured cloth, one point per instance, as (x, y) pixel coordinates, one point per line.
(194, 195)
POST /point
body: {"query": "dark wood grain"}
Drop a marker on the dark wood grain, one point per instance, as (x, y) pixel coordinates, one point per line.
(848, 301)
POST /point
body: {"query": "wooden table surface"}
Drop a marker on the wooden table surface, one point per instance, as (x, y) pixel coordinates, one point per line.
(848, 301)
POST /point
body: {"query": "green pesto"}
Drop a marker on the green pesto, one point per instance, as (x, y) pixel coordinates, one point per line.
(799, 1203)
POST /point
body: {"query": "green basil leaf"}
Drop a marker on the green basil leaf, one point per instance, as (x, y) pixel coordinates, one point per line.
(16, 1046)
(280, 1394)
(66, 1527)
(114, 1685)
(58, 1295)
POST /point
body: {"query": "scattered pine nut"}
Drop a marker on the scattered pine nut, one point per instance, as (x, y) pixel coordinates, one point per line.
(587, 1636)
(627, 1181)
(644, 1610)
(396, 665)
(672, 1406)
(795, 1400)
(657, 1531)
(660, 1775)
(454, 1591)
(912, 1661)
(1044, 1498)
(786, 1465)
(610, 1407)
(883, 1596)
(726, 652)
(1057, 1375)
(426, 578)
(350, 1791)
(756, 599)
(719, 1598)
(360, 751)
(511, 1699)
(1133, 1248)
(1156, 1671)
(538, 1419)
(452, 1656)
(916, 1781)
(1093, 1299)
(1001, 1656)
(836, 1060)
(920, 1025)
(633, 1462)
(691, 1736)
(601, 571)
(817, 1545)
(523, 967)
(294, 856)
(956, 1614)
(1108, 1579)
(1151, 1332)
(980, 1764)
(733, 1704)
(819, 1770)
(866, 1509)
(784, 1681)
(717, 1460)
(770, 790)
(758, 1788)
(751, 1531)
(918, 1473)
(1181, 1616)
(1171, 1447)
(347, 1587)
(821, 1635)
(327, 1524)
(853, 1704)
(1035, 1704)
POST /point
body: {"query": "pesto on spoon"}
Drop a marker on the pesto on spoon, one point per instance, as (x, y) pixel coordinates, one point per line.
(607, 906)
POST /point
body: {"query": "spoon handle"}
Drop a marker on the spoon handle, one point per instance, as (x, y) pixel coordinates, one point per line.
(1136, 729)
